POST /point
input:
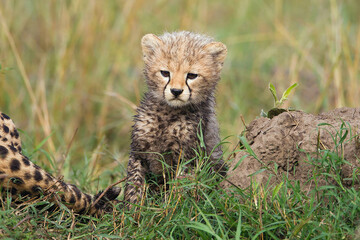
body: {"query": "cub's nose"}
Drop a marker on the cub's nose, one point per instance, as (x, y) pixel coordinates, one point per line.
(176, 92)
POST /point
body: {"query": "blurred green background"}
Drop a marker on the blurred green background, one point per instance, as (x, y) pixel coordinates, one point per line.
(71, 71)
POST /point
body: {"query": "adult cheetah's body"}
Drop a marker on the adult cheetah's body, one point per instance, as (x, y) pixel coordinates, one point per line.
(19, 176)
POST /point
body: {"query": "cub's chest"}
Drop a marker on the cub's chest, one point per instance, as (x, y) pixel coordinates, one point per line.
(161, 127)
(181, 127)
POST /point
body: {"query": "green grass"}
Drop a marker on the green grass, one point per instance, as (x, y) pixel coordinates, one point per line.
(71, 73)
(196, 207)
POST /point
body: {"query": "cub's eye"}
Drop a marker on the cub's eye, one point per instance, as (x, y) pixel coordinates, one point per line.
(191, 76)
(165, 73)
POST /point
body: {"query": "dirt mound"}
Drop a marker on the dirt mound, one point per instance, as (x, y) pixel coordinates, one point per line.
(296, 143)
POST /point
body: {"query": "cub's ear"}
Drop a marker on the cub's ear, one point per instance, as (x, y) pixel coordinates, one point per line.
(217, 50)
(149, 43)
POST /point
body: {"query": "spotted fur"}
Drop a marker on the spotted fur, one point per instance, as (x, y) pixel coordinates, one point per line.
(181, 71)
(20, 176)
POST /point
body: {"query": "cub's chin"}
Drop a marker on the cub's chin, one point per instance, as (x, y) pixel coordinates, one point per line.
(177, 103)
(180, 101)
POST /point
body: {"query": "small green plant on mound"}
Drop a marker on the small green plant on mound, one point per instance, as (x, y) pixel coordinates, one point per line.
(277, 103)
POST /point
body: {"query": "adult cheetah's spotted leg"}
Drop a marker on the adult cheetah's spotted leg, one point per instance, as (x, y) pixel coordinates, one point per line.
(135, 180)
(19, 175)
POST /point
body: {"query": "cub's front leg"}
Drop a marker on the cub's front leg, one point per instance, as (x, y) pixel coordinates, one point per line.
(135, 180)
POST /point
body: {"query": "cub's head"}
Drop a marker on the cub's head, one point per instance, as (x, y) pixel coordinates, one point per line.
(182, 67)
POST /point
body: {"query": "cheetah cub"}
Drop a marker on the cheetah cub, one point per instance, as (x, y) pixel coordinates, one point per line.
(181, 71)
